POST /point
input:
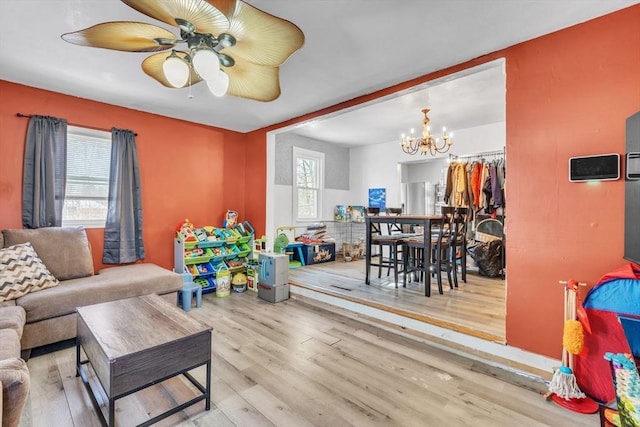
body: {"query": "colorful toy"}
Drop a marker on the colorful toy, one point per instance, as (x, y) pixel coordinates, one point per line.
(230, 219)
(252, 276)
(201, 282)
(235, 263)
(239, 282)
(616, 294)
(627, 387)
(203, 268)
(195, 252)
(185, 230)
(218, 251)
(201, 234)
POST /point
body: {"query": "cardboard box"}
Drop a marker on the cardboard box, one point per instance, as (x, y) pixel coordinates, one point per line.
(320, 252)
(274, 293)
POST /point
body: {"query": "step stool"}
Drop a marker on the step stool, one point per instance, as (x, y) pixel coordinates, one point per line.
(189, 289)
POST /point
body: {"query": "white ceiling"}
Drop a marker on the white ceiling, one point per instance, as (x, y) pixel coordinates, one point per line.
(352, 47)
(467, 99)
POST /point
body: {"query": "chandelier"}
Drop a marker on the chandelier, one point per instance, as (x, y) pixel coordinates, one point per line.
(428, 144)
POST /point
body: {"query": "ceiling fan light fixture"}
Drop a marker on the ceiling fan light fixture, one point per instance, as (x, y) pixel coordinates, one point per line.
(219, 85)
(255, 45)
(206, 63)
(176, 70)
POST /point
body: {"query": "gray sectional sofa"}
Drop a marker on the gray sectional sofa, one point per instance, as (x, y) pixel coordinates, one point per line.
(48, 315)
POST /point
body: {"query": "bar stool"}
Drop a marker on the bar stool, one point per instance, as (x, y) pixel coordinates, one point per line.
(414, 252)
(394, 243)
(188, 291)
(458, 218)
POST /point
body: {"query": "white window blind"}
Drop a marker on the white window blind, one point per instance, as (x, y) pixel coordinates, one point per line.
(88, 165)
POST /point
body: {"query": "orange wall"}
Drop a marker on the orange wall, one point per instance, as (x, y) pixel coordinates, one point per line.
(187, 170)
(568, 93)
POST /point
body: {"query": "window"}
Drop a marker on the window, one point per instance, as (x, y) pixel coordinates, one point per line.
(88, 165)
(309, 183)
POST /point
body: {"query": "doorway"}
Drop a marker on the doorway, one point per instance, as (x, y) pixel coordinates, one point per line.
(471, 103)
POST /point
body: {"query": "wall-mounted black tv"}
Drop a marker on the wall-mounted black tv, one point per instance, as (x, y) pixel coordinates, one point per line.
(601, 167)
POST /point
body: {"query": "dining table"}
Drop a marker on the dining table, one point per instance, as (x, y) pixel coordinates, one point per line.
(373, 225)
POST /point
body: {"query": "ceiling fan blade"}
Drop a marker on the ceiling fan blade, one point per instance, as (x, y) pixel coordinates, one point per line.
(262, 38)
(205, 17)
(253, 81)
(227, 7)
(152, 66)
(125, 36)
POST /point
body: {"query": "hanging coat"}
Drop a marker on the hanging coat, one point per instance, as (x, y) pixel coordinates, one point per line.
(496, 191)
(449, 185)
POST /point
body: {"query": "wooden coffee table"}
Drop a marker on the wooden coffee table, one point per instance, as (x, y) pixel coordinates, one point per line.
(134, 343)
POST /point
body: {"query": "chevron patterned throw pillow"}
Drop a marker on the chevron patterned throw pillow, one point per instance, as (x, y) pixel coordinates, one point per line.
(22, 271)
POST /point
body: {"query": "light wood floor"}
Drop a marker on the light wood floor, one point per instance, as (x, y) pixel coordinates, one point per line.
(475, 308)
(295, 364)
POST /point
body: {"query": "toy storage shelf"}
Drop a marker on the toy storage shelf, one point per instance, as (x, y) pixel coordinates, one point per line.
(201, 259)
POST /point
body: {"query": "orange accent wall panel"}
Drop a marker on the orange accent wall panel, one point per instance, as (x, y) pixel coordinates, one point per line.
(568, 94)
(187, 170)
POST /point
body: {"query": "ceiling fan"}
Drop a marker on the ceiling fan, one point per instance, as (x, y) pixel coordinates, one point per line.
(232, 46)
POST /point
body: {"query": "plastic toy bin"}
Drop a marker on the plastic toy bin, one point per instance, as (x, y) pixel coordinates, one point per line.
(244, 249)
(197, 255)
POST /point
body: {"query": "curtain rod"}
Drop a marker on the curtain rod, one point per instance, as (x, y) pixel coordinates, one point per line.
(72, 124)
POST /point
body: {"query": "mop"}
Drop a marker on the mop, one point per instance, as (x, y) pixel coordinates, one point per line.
(564, 389)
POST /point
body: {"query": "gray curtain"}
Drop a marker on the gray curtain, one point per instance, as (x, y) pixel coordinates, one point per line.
(123, 230)
(45, 170)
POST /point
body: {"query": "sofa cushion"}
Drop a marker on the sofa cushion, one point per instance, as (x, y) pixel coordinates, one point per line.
(10, 344)
(13, 318)
(64, 250)
(22, 271)
(15, 382)
(108, 285)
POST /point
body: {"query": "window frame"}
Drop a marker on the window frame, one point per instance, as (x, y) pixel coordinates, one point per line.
(301, 153)
(80, 132)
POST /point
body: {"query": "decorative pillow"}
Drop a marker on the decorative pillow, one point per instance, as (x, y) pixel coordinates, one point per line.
(22, 271)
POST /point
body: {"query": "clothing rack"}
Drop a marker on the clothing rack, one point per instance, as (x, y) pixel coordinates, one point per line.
(492, 155)
(28, 116)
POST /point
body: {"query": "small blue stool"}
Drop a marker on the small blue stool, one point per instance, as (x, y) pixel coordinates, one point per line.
(188, 290)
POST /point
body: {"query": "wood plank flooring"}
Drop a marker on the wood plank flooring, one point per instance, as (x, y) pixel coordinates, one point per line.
(475, 308)
(295, 364)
